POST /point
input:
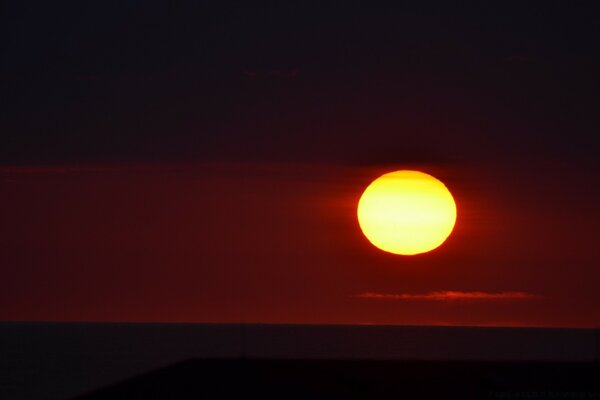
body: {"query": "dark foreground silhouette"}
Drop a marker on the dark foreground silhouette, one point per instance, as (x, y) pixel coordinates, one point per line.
(319, 379)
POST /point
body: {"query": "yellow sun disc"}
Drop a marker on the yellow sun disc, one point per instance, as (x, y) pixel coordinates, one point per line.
(406, 212)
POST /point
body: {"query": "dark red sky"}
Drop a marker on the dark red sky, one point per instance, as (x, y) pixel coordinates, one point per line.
(281, 243)
(173, 161)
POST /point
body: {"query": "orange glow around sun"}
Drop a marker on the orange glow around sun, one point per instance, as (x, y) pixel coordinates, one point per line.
(406, 212)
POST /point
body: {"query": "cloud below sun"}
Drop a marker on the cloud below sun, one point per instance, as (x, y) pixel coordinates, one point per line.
(448, 295)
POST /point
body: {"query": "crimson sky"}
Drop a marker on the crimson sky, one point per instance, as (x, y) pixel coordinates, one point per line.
(177, 161)
(281, 243)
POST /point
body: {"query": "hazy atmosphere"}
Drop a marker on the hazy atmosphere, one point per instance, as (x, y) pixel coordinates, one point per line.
(177, 162)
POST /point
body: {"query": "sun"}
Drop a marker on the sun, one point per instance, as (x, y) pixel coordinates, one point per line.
(406, 212)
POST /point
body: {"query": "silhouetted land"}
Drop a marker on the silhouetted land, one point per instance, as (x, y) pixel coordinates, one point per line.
(66, 360)
(319, 379)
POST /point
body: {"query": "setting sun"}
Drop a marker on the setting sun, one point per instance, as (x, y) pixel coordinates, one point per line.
(406, 212)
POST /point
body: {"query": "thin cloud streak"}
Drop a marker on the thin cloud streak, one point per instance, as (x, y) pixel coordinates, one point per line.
(449, 295)
(68, 169)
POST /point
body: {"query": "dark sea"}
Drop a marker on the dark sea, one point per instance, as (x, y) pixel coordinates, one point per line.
(68, 360)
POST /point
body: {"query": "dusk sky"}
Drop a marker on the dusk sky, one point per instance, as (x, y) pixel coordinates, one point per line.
(177, 162)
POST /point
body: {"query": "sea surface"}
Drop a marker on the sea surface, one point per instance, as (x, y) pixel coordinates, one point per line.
(66, 360)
